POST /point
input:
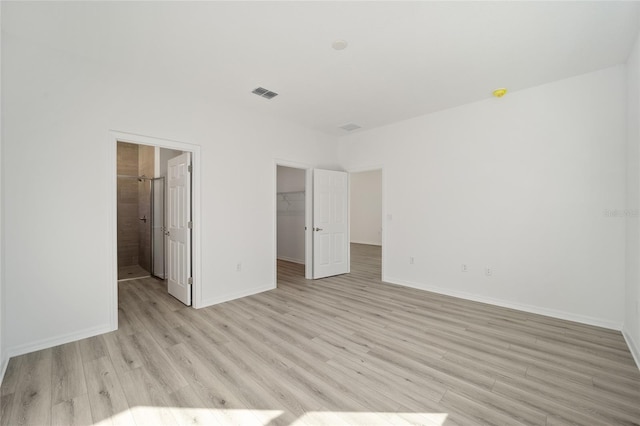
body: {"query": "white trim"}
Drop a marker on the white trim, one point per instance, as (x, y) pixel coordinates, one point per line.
(349, 223)
(598, 322)
(113, 138)
(368, 243)
(291, 259)
(362, 169)
(237, 295)
(634, 348)
(308, 213)
(156, 161)
(58, 340)
(4, 360)
(136, 278)
(308, 223)
(3, 369)
(112, 171)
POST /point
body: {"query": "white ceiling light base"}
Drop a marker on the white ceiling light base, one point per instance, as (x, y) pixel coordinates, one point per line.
(339, 44)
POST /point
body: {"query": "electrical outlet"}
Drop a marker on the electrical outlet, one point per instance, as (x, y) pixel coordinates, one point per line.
(488, 271)
(411, 260)
(463, 268)
(239, 267)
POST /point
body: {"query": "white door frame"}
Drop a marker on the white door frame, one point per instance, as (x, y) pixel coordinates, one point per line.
(308, 217)
(113, 138)
(385, 219)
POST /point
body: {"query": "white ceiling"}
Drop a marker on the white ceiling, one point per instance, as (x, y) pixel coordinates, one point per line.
(404, 59)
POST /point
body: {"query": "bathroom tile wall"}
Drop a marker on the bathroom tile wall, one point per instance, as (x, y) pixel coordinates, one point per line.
(128, 250)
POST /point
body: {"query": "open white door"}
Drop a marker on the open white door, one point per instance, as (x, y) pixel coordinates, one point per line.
(330, 223)
(179, 228)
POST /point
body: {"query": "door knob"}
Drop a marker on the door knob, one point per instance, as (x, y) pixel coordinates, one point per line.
(317, 229)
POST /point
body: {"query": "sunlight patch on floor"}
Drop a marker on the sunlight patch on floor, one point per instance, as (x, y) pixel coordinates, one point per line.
(370, 418)
(158, 416)
(206, 416)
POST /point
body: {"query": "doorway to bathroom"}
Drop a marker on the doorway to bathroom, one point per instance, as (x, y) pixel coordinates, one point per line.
(154, 217)
(141, 213)
(179, 164)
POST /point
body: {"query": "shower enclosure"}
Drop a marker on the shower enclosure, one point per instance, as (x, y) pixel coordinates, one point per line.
(141, 227)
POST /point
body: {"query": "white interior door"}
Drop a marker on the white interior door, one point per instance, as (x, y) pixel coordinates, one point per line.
(179, 227)
(330, 223)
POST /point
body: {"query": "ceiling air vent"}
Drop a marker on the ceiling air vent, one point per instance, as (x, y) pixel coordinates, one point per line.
(262, 92)
(350, 127)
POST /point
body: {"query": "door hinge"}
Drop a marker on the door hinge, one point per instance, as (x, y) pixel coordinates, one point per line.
(190, 225)
(190, 168)
(190, 280)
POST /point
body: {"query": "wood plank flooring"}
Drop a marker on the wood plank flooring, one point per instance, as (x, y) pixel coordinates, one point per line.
(343, 350)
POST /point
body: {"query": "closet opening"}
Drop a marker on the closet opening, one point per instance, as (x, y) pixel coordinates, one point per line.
(292, 213)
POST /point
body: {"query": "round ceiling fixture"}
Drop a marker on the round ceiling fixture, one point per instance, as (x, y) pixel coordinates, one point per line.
(498, 93)
(339, 44)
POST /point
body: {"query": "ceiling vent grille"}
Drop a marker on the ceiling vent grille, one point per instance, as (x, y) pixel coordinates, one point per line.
(264, 93)
(350, 127)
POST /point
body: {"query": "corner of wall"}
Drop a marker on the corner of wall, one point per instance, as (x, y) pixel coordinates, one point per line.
(634, 347)
(631, 328)
(236, 295)
(3, 368)
(62, 339)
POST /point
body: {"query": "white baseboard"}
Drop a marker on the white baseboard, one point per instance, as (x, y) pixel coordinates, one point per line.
(291, 259)
(633, 347)
(58, 340)
(369, 243)
(598, 322)
(131, 279)
(237, 295)
(3, 368)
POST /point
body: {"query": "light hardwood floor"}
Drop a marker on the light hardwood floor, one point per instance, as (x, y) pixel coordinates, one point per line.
(343, 350)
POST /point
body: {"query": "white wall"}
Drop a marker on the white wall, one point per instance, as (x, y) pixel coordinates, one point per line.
(632, 297)
(290, 179)
(291, 214)
(518, 184)
(58, 109)
(366, 207)
(163, 155)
